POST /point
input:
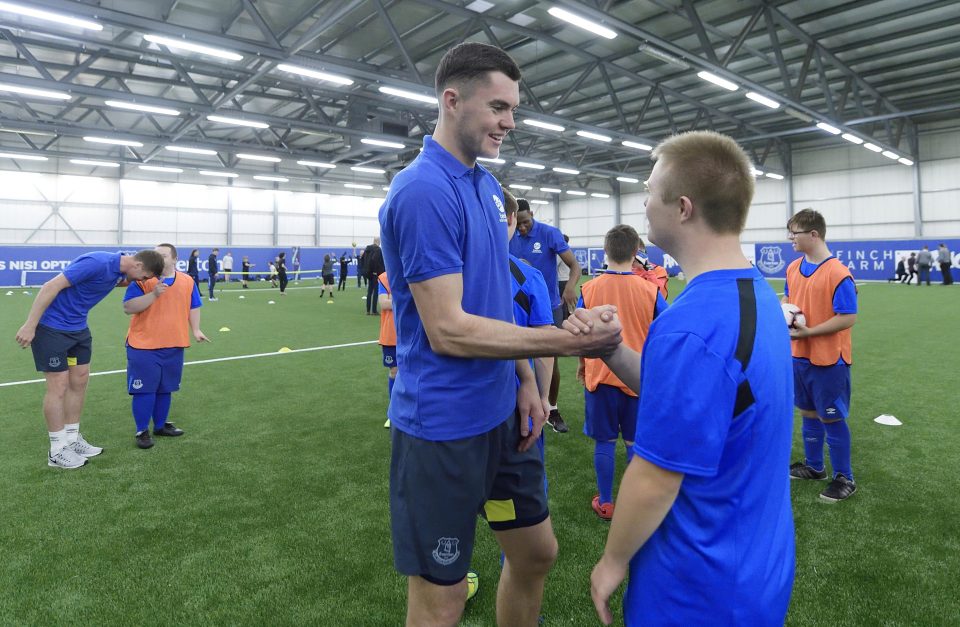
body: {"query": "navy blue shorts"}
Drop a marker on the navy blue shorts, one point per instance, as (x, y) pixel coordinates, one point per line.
(437, 489)
(55, 350)
(152, 371)
(609, 414)
(389, 356)
(825, 389)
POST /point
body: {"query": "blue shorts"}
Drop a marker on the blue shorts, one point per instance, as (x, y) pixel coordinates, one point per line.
(55, 350)
(152, 371)
(389, 356)
(609, 413)
(825, 389)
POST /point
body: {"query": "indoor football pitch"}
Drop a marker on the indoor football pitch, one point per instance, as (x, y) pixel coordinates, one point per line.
(273, 508)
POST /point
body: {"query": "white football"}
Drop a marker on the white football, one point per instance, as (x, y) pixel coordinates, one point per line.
(792, 315)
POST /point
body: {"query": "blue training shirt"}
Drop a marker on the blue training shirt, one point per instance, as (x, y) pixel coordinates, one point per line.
(441, 217)
(724, 554)
(92, 276)
(541, 247)
(538, 312)
(134, 290)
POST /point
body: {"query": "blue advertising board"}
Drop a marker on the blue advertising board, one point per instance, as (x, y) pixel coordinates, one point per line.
(34, 265)
(591, 259)
(868, 260)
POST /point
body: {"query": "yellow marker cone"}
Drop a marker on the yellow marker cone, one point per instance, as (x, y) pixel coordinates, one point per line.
(329, 302)
(283, 349)
(224, 329)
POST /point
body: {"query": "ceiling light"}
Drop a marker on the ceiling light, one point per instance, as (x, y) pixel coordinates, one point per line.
(409, 95)
(20, 131)
(237, 121)
(566, 171)
(357, 186)
(833, 130)
(193, 151)
(636, 145)
(889, 154)
(320, 76)
(596, 136)
(627, 179)
(244, 155)
(14, 155)
(551, 190)
(380, 142)
(596, 195)
(519, 186)
(160, 168)
(767, 102)
(756, 172)
(39, 93)
(905, 161)
(853, 139)
(180, 44)
(133, 106)
(657, 53)
(583, 23)
(360, 168)
(771, 175)
(716, 80)
(116, 142)
(99, 164)
(317, 164)
(539, 202)
(546, 125)
(49, 16)
(275, 179)
(872, 147)
(385, 188)
(574, 192)
(491, 160)
(229, 175)
(532, 166)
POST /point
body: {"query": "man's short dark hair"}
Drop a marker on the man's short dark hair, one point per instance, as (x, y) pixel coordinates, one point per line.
(523, 205)
(469, 62)
(621, 243)
(171, 248)
(808, 220)
(509, 201)
(152, 261)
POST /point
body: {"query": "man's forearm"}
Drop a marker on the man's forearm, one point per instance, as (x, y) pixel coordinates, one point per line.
(138, 304)
(44, 297)
(625, 363)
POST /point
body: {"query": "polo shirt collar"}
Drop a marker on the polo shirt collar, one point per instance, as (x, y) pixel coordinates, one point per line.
(447, 162)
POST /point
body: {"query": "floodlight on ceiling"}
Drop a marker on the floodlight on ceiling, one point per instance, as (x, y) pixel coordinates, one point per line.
(833, 130)
(181, 44)
(115, 142)
(49, 16)
(382, 143)
(853, 139)
(550, 190)
(94, 163)
(566, 171)
(531, 166)
(519, 186)
(161, 168)
(574, 192)
(755, 172)
(767, 102)
(544, 125)
(226, 175)
(274, 179)
(357, 186)
(889, 154)
(244, 155)
(320, 76)
(872, 147)
(360, 168)
(539, 202)
(716, 80)
(598, 195)
(596, 136)
(133, 106)
(905, 161)
(409, 95)
(627, 179)
(637, 145)
(662, 55)
(21, 157)
(237, 121)
(585, 24)
(491, 160)
(191, 150)
(317, 164)
(39, 93)
(774, 176)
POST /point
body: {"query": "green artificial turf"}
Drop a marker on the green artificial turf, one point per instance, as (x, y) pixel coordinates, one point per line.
(273, 508)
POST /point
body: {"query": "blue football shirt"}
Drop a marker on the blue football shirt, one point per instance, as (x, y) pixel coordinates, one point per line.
(540, 248)
(724, 554)
(533, 291)
(92, 276)
(441, 217)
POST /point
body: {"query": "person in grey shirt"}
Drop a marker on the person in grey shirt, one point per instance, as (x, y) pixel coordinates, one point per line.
(924, 261)
(945, 259)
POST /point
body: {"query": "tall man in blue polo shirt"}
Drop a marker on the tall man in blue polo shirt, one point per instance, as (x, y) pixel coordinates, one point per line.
(540, 245)
(56, 330)
(459, 447)
(703, 518)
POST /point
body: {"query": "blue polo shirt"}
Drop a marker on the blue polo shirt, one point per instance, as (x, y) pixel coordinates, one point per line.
(92, 276)
(441, 217)
(724, 554)
(540, 248)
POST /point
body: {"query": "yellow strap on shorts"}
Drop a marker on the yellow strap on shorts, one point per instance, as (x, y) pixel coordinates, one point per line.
(500, 511)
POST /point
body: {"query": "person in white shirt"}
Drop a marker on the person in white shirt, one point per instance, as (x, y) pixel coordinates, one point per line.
(228, 266)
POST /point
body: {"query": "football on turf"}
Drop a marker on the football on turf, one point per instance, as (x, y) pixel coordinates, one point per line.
(792, 315)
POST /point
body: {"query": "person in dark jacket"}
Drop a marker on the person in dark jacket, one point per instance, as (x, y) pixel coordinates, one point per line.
(212, 271)
(344, 265)
(282, 273)
(372, 268)
(193, 266)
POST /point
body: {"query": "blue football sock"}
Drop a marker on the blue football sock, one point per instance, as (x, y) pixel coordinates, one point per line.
(161, 409)
(838, 439)
(390, 382)
(628, 449)
(605, 464)
(813, 434)
(142, 410)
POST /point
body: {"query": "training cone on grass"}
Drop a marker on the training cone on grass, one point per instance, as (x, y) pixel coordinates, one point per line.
(270, 302)
(887, 419)
(9, 293)
(283, 349)
(242, 297)
(27, 293)
(224, 329)
(329, 302)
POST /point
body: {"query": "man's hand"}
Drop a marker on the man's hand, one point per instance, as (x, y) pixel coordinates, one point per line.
(199, 336)
(599, 329)
(604, 581)
(159, 288)
(570, 294)
(799, 331)
(530, 405)
(25, 335)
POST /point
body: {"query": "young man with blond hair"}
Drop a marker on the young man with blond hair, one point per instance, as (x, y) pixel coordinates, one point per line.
(714, 419)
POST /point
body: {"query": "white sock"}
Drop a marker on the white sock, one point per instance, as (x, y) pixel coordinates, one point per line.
(553, 408)
(72, 431)
(58, 440)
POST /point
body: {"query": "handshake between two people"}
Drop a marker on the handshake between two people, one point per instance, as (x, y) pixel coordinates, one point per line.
(599, 329)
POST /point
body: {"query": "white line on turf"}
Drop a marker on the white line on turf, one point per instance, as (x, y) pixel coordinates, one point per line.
(213, 361)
